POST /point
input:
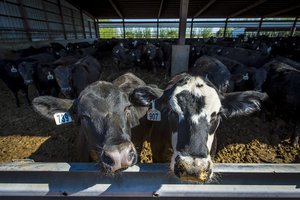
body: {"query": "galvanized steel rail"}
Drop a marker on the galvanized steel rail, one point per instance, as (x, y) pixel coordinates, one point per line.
(145, 181)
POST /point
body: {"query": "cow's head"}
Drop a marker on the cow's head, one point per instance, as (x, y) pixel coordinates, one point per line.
(106, 117)
(63, 75)
(27, 69)
(194, 110)
(45, 72)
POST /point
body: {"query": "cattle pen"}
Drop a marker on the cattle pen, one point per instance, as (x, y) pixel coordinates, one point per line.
(243, 126)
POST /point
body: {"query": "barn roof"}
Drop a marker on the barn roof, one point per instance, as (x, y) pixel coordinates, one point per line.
(146, 9)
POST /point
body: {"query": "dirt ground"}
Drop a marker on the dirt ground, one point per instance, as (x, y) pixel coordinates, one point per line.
(26, 135)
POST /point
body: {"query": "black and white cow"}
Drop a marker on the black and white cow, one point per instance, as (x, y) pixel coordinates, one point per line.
(191, 110)
(106, 116)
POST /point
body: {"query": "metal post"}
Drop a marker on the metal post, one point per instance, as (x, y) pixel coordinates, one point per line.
(73, 22)
(90, 29)
(259, 26)
(25, 21)
(46, 19)
(62, 19)
(82, 23)
(124, 34)
(225, 28)
(293, 30)
(157, 29)
(191, 33)
(184, 5)
(96, 28)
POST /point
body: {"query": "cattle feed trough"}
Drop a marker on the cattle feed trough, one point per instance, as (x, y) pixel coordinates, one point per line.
(29, 180)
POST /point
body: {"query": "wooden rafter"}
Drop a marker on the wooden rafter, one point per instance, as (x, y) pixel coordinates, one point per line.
(274, 14)
(204, 8)
(116, 9)
(247, 8)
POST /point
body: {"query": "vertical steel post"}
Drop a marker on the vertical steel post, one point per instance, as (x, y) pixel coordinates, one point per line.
(82, 23)
(96, 28)
(61, 18)
(73, 22)
(293, 30)
(124, 34)
(25, 21)
(225, 28)
(184, 5)
(259, 26)
(192, 24)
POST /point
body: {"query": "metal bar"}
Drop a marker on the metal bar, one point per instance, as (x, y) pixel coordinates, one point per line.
(282, 11)
(191, 33)
(293, 30)
(73, 21)
(225, 28)
(25, 22)
(83, 180)
(96, 28)
(184, 5)
(62, 19)
(157, 29)
(259, 26)
(124, 33)
(160, 8)
(90, 29)
(204, 8)
(46, 18)
(253, 5)
(116, 9)
(82, 23)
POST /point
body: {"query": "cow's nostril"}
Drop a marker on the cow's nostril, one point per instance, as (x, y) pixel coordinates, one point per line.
(106, 159)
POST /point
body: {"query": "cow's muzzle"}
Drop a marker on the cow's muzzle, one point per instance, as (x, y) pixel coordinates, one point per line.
(199, 170)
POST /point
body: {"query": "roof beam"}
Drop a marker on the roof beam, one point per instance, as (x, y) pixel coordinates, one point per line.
(160, 8)
(116, 9)
(247, 8)
(204, 8)
(282, 11)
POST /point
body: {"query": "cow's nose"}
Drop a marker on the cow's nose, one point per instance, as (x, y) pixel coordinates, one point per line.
(28, 82)
(113, 161)
(66, 89)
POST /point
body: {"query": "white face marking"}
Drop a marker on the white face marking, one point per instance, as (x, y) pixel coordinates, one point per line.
(212, 104)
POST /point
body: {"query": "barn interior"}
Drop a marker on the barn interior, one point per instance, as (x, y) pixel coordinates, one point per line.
(35, 23)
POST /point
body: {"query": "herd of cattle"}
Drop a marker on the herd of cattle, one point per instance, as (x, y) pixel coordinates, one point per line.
(224, 80)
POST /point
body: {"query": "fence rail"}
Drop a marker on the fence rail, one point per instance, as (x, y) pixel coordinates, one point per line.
(83, 181)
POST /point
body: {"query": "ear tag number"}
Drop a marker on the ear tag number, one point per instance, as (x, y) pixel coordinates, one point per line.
(153, 114)
(50, 76)
(13, 69)
(62, 118)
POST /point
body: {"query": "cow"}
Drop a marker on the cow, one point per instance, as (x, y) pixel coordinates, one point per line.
(191, 109)
(213, 70)
(106, 116)
(72, 79)
(45, 80)
(11, 77)
(282, 86)
(129, 57)
(154, 57)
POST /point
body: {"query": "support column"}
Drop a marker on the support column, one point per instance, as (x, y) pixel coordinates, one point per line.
(61, 18)
(184, 5)
(294, 27)
(192, 24)
(124, 34)
(73, 22)
(259, 27)
(82, 22)
(225, 28)
(25, 21)
(96, 28)
(157, 29)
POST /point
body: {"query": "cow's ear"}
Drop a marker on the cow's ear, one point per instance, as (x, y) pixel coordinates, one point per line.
(47, 106)
(143, 96)
(242, 103)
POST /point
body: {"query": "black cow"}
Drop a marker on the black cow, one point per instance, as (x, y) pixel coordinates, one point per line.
(129, 57)
(45, 80)
(72, 79)
(214, 71)
(106, 116)
(10, 75)
(191, 110)
(282, 86)
(154, 57)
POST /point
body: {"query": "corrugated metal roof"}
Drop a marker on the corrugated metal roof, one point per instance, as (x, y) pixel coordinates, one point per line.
(137, 9)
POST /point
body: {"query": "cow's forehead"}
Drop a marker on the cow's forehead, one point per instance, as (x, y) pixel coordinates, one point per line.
(197, 87)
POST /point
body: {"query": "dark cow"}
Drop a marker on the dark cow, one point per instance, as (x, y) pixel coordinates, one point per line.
(129, 57)
(191, 110)
(10, 75)
(106, 116)
(213, 70)
(66, 60)
(282, 86)
(72, 79)
(45, 80)
(154, 57)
